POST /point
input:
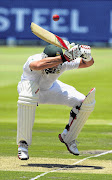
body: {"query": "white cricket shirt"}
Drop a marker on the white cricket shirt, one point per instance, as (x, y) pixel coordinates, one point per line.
(44, 80)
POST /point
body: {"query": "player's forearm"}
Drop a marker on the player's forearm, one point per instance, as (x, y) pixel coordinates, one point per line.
(84, 64)
(90, 63)
(45, 63)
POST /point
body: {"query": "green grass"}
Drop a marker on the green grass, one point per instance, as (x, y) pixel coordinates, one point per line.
(45, 141)
(64, 176)
(51, 119)
(15, 175)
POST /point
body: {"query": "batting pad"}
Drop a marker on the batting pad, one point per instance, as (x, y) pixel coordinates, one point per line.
(26, 117)
(85, 110)
(27, 103)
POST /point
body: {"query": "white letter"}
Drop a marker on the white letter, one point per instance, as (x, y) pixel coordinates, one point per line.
(4, 22)
(20, 13)
(58, 25)
(75, 28)
(38, 18)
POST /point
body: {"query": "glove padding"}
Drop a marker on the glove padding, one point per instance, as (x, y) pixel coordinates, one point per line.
(73, 53)
(85, 52)
(76, 51)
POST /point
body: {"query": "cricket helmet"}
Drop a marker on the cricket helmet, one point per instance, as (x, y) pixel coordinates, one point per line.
(52, 51)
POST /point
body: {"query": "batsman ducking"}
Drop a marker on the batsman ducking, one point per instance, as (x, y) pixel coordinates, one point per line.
(40, 85)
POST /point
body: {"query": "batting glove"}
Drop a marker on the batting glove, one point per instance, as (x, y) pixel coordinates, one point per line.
(73, 53)
(85, 52)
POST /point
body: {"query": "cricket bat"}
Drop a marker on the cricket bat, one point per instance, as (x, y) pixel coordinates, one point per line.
(48, 36)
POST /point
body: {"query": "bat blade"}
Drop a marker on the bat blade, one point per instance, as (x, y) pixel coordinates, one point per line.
(48, 36)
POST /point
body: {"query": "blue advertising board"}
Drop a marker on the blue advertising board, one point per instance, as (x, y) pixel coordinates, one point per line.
(89, 21)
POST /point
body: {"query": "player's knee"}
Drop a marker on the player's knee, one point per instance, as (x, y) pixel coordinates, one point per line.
(28, 93)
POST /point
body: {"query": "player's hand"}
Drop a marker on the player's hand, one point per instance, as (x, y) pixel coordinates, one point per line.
(76, 51)
(85, 52)
(73, 53)
(67, 43)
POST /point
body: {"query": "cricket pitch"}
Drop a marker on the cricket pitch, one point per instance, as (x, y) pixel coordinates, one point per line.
(60, 165)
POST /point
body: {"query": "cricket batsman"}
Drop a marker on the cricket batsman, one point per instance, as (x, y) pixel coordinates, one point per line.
(40, 85)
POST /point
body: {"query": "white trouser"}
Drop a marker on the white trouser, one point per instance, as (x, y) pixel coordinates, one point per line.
(61, 94)
(30, 94)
